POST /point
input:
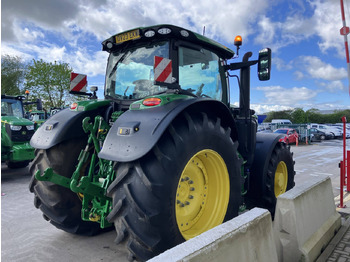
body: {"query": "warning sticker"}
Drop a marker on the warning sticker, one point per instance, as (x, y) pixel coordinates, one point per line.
(163, 70)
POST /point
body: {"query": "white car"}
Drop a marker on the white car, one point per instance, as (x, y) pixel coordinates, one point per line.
(331, 130)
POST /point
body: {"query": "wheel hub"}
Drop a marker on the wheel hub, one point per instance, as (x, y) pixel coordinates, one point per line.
(197, 209)
(281, 178)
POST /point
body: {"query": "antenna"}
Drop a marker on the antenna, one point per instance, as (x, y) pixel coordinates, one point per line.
(204, 30)
(345, 31)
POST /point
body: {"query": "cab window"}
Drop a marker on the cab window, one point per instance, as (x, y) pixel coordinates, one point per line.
(199, 72)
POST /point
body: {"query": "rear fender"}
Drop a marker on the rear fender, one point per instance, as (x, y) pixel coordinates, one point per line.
(136, 132)
(265, 144)
(64, 125)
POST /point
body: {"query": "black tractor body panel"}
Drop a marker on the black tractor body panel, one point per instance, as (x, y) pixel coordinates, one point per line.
(136, 131)
(265, 143)
(64, 125)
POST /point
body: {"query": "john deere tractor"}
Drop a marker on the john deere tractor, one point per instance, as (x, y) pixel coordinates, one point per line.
(164, 157)
(16, 131)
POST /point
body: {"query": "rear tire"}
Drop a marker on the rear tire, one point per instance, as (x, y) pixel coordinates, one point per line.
(60, 206)
(150, 194)
(279, 177)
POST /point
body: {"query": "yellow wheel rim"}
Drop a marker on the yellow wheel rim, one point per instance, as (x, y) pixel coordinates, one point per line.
(202, 194)
(281, 178)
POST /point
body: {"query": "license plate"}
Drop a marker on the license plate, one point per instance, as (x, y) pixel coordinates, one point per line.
(131, 35)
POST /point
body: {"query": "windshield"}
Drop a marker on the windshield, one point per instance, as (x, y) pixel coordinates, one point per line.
(37, 116)
(11, 107)
(130, 73)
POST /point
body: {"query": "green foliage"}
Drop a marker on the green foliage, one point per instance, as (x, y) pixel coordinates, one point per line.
(299, 116)
(12, 75)
(285, 114)
(49, 82)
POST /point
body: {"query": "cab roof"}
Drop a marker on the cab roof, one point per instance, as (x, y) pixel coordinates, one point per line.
(165, 31)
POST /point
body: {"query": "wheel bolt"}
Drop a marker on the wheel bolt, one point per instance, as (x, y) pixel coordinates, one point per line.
(187, 203)
(190, 197)
(191, 188)
(190, 182)
(187, 178)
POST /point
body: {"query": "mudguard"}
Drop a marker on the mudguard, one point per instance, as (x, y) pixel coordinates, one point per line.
(64, 125)
(136, 131)
(265, 143)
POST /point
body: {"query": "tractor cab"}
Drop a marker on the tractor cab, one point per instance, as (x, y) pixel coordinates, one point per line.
(168, 59)
(163, 59)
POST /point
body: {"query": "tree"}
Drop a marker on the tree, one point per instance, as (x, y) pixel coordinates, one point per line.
(12, 75)
(298, 116)
(49, 82)
(285, 114)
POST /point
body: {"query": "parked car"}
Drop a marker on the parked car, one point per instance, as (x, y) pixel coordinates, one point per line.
(333, 131)
(291, 135)
(318, 135)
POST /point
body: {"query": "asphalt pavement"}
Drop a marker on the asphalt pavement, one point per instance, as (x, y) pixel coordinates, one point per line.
(26, 236)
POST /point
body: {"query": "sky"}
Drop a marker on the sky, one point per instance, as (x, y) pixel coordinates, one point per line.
(309, 68)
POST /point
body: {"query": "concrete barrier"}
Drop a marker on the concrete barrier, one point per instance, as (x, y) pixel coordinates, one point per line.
(305, 221)
(248, 237)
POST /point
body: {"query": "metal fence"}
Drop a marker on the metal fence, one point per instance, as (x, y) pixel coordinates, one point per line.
(302, 130)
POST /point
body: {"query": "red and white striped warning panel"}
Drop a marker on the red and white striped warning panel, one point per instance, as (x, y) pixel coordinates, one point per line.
(78, 82)
(163, 70)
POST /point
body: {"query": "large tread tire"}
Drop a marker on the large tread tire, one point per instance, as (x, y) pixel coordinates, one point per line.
(60, 206)
(144, 191)
(281, 157)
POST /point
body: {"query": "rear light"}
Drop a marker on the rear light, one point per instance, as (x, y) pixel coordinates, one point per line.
(73, 106)
(152, 101)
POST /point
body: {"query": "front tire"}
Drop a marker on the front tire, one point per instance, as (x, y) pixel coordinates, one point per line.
(187, 184)
(60, 206)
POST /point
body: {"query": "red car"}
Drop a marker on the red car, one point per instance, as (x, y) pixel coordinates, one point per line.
(290, 137)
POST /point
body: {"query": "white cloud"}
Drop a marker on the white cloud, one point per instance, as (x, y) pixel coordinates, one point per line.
(286, 97)
(265, 108)
(327, 23)
(26, 26)
(261, 108)
(280, 64)
(312, 67)
(333, 86)
(90, 64)
(324, 22)
(316, 68)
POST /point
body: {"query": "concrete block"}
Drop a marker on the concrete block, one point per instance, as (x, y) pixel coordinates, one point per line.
(305, 220)
(248, 237)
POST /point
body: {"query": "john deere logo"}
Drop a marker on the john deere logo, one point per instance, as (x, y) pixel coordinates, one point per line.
(24, 133)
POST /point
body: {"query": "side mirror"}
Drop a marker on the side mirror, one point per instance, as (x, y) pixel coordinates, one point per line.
(39, 105)
(264, 64)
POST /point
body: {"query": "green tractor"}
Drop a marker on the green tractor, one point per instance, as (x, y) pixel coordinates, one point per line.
(164, 157)
(16, 132)
(37, 116)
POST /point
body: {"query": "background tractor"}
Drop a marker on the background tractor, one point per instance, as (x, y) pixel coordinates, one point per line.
(164, 157)
(16, 132)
